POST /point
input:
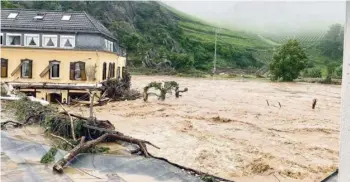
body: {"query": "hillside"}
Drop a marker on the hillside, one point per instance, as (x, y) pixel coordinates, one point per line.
(157, 36)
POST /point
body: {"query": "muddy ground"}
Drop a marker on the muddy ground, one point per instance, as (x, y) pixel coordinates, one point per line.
(226, 128)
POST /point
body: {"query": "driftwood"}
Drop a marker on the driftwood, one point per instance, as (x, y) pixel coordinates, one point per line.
(58, 167)
(314, 103)
(14, 123)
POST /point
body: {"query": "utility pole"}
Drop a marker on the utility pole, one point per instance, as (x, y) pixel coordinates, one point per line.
(214, 64)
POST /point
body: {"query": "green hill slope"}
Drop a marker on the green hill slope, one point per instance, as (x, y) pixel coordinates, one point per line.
(155, 35)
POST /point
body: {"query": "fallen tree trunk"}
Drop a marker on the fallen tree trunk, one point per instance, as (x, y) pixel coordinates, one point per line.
(59, 166)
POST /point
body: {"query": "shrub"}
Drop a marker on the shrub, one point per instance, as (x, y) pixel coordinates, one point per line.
(313, 73)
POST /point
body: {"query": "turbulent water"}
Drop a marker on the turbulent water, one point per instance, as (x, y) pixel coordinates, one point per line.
(244, 130)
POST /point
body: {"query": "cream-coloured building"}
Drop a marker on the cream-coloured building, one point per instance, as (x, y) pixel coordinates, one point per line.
(56, 55)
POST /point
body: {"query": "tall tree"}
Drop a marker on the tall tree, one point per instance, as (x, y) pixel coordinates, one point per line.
(288, 62)
(332, 43)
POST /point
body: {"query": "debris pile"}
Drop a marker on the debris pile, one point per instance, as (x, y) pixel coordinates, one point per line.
(119, 90)
(79, 134)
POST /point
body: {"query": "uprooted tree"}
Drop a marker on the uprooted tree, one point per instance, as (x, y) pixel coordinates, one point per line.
(163, 88)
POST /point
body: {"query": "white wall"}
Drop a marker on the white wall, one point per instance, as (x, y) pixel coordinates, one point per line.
(344, 161)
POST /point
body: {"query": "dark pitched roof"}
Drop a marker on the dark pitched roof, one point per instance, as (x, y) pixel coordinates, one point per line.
(79, 22)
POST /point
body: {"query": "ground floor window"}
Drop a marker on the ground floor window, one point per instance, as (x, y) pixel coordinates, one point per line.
(54, 70)
(77, 71)
(26, 68)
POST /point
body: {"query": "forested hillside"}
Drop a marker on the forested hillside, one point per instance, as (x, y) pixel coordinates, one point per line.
(157, 36)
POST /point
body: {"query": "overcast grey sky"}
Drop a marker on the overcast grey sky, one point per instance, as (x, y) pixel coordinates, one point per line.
(268, 16)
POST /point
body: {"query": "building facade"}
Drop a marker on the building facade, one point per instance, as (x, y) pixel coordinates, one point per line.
(56, 55)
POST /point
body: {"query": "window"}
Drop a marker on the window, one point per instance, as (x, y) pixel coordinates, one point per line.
(104, 71)
(31, 40)
(49, 41)
(26, 69)
(39, 16)
(66, 17)
(118, 72)
(2, 38)
(108, 45)
(67, 41)
(77, 71)
(54, 69)
(12, 15)
(4, 63)
(111, 46)
(13, 39)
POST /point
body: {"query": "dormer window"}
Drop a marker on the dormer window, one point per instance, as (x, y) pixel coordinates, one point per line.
(12, 15)
(66, 17)
(39, 16)
(49, 41)
(67, 41)
(31, 40)
(13, 39)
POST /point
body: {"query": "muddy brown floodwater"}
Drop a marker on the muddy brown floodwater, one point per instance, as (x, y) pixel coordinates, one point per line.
(226, 128)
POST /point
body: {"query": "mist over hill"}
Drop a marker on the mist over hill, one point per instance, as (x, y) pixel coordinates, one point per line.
(273, 17)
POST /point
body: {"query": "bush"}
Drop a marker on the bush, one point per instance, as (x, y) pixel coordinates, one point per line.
(313, 73)
(338, 71)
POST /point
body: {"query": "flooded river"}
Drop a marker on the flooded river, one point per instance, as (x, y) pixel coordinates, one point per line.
(244, 130)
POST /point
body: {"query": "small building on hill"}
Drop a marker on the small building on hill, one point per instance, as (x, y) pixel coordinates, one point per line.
(56, 55)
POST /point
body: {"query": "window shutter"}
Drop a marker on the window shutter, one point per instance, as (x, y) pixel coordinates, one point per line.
(4, 68)
(109, 70)
(104, 71)
(47, 69)
(71, 71)
(113, 69)
(82, 71)
(30, 65)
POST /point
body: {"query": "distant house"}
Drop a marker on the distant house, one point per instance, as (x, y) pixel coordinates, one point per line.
(56, 55)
